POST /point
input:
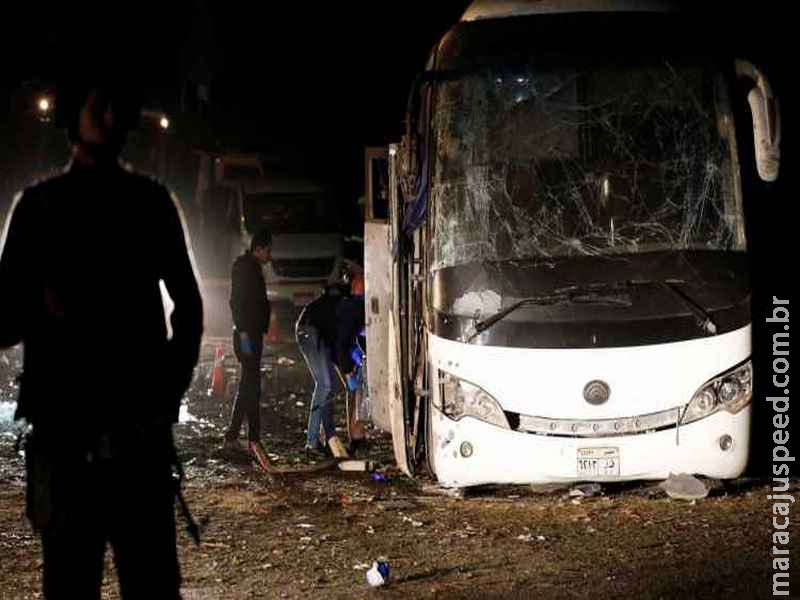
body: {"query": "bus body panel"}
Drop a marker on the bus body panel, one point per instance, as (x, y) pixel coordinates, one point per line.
(549, 383)
(502, 456)
(377, 292)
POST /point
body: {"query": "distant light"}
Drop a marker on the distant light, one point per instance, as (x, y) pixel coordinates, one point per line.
(392, 151)
(164, 122)
(44, 105)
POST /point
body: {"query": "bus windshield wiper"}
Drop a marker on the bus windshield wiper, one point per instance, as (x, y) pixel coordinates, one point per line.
(571, 296)
(704, 320)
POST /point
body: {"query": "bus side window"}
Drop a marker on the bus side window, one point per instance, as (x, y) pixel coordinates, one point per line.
(377, 184)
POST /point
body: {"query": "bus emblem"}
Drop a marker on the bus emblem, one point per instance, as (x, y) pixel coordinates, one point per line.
(596, 392)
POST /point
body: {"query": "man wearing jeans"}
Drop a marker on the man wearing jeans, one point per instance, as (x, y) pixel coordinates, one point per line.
(251, 314)
(316, 336)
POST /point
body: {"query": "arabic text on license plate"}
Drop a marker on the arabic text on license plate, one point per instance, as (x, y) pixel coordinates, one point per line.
(598, 462)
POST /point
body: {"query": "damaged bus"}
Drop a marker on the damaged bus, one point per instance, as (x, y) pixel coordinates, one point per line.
(558, 290)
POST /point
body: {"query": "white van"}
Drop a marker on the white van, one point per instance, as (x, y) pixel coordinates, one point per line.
(560, 290)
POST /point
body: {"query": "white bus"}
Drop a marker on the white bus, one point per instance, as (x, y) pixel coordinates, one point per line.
(559, 291)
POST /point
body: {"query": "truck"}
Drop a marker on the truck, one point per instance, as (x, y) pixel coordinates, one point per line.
(308, 246)
(557, 287)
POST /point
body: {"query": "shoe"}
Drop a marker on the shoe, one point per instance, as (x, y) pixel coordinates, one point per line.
(260, 456)
(337, 447)
(317, 453)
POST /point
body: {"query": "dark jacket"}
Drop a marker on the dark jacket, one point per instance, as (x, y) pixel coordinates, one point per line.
(83, 257)
(339, 319)
(249, 304)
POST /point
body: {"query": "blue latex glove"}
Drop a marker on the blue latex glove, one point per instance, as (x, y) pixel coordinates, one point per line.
(246, 345)
(353, 381)
(357, 356)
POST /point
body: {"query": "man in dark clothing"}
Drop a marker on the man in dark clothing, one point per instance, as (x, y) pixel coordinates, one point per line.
(250, 308)
(326, 332)
(100, 456)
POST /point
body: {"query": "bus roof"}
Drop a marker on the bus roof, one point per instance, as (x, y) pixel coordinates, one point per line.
(498, 9)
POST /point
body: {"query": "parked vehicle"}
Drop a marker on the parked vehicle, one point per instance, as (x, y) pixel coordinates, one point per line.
(308, 247)
(560, 291)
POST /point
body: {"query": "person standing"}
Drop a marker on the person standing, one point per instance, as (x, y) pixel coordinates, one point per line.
(250, 309)
(100, 457)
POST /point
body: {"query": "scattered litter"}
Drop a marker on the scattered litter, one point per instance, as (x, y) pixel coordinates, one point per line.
(529, 537)
(361, 566)
(7, 415)
(587, 490)
(396, 505)
(298, 403)
(305, 540)
(379, 477)
(414, 523)
(378, 575)
(292, 397)
(443, 491)
(285, 362)
(356, 465)
(684, 487)
(305, 525)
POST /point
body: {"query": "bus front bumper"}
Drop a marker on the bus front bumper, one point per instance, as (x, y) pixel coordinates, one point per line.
(470, 452)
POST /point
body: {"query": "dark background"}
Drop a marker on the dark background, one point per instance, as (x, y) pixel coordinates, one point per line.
(314, 83)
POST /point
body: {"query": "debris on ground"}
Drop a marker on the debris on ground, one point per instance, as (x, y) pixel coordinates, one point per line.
(7, 410)
(684, 487)
(257, 541)
(586, 490)
(356, 465)
(443, 491)
(548, 488)
(378, 575)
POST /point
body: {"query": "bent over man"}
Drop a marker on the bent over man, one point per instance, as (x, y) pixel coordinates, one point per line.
(100, 456)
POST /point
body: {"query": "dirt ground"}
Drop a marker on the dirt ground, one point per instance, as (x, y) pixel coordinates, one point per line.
(314, 534)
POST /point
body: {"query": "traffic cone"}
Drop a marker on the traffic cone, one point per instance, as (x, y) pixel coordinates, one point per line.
(217, 388)
(274, 332)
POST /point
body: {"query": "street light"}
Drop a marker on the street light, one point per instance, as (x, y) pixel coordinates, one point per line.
(44, 104)
(164, 122)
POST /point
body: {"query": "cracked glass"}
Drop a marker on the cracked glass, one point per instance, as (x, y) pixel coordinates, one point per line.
(547, 161)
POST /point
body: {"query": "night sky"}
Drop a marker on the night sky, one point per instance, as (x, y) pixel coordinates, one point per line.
(314, 82)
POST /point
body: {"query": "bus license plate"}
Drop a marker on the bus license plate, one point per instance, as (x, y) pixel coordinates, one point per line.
(598, 462)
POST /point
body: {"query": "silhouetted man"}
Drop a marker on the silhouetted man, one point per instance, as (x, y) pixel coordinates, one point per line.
(102, 382)
(250, 308)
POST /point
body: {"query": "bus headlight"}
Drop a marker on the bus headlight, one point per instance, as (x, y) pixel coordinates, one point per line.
(731, 391)
(461, 399)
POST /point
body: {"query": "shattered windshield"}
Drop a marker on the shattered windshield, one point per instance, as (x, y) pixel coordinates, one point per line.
(601, 159)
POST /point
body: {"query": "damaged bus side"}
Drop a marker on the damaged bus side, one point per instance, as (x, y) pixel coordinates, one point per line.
(559, 289)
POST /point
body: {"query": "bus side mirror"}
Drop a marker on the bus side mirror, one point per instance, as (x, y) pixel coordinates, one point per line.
(766, 121)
